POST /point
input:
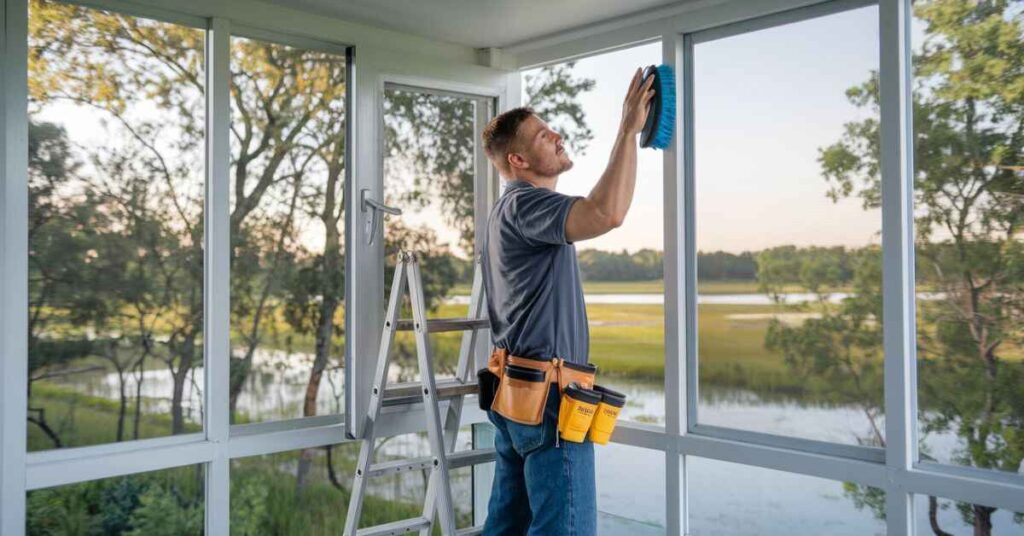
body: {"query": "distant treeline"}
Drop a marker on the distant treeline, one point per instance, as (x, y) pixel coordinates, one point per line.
(787, 262)
(646, 264)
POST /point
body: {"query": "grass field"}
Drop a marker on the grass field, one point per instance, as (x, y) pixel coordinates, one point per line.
(629, 340)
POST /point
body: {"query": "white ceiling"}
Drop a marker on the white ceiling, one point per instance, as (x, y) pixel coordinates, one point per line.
(478, 23)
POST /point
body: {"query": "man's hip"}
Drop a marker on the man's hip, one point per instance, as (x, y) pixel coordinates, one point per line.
(541, 485)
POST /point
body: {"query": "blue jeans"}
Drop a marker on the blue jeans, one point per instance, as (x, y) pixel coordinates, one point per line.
(539, 488)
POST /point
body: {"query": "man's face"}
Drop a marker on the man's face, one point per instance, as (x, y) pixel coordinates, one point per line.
(541, 148)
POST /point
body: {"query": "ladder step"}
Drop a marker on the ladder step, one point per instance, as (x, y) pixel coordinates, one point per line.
(455, 460)
(395, 527)
(470, 531)
(436, 325)
(411, 392)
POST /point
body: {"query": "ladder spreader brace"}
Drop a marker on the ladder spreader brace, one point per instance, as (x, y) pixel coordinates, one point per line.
(441, 436)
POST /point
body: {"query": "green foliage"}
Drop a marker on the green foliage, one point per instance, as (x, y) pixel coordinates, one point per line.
(161, 503)
(645, 264)
(161, 514)
(721, 265)
(866, 497)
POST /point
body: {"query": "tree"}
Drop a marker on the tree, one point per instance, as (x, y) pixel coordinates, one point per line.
(969, 130)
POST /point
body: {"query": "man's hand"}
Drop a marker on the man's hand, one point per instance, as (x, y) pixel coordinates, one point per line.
(635, 106)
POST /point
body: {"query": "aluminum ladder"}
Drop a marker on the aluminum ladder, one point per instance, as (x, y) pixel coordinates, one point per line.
(428, 392)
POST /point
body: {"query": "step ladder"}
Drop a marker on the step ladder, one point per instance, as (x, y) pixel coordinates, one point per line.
(441, 429)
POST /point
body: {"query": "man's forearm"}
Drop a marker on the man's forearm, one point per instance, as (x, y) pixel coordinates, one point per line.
(613, 193)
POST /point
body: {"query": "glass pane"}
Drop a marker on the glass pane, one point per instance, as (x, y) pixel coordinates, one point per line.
(429, 173)
(116, 152)
(968, 201)
(937, 515)
(307, 492)
(630, 490)
(160, 503)
(726, 499)
(621, 270)
(788, 264)
(287, 231)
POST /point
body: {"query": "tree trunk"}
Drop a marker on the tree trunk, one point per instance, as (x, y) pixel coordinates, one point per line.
(983, 520)
(180, 376)
(45, 427)
(141, 367)
(323, 353)
(123, 410)
(933, 517)
(240, 370)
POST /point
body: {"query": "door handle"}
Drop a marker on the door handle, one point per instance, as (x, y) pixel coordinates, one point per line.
(374, 208)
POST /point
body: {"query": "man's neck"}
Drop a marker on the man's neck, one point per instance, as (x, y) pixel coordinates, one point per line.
(540, 182)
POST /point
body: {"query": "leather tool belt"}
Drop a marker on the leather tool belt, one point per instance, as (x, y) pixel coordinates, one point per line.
(524, 383)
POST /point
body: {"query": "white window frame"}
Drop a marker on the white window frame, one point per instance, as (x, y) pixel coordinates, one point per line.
(897, 470)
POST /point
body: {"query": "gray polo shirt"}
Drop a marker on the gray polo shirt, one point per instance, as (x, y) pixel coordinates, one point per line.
(532, 278)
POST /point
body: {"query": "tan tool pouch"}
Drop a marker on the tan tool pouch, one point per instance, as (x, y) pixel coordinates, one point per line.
(525, 383)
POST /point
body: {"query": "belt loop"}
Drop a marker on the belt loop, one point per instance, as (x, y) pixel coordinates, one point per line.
(558, 388)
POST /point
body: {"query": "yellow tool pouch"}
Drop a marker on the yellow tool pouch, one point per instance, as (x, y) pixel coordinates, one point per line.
(524, 382)
(576, 411)
(606, 414)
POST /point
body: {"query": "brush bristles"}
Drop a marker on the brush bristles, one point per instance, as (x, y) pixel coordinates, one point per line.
(667, 119)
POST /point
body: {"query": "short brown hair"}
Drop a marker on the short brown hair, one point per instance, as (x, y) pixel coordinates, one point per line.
(501, 132)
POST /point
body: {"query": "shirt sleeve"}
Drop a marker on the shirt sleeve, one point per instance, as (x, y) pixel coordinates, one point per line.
(539, 215)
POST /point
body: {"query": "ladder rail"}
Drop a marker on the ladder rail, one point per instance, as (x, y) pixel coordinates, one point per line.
(464, 368)
(358, 491)
(440, 474)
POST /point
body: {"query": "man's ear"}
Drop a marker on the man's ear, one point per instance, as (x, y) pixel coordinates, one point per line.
(516, 161)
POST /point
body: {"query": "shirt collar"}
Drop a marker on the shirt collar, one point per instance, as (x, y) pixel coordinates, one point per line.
(517, 183)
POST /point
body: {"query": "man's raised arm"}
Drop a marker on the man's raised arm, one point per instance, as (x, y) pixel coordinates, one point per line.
(605, 207)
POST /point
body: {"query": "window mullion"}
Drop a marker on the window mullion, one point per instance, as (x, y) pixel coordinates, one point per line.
(898, 262)
(217, 345)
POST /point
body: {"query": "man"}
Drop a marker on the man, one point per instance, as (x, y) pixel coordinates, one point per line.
(535, 302)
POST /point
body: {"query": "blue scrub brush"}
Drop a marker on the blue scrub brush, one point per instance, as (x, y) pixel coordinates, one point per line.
(661, 116)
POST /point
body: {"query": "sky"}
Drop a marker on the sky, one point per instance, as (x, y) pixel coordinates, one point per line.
(764, 103)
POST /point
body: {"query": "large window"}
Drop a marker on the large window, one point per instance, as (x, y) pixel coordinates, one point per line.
(167, 502)
(287, 228)
(116, 134)
(969, 160)
(773, 503)
(789, 270)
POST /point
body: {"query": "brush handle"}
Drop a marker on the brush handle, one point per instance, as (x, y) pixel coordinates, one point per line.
(653, 107)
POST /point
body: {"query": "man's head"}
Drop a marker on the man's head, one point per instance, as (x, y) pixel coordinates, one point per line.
(522, 146)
